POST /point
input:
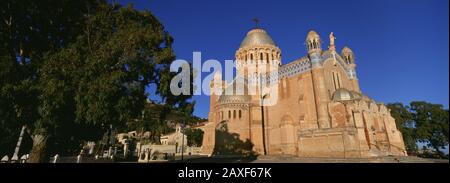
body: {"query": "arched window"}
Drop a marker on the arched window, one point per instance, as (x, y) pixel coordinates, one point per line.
(251, 57)
(234, 114)
(229, 114)
(240, 114)
(336, 80)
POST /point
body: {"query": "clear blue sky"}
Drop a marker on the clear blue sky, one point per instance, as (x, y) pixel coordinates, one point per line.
(401, 46)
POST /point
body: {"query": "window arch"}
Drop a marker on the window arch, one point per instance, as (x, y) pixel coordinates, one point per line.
(234, 114)
(240, 114)
(229, 114)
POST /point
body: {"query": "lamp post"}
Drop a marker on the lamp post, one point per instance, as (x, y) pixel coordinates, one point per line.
(262, 115)
(182, 140)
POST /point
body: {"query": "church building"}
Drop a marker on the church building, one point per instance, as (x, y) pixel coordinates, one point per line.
(320, 110)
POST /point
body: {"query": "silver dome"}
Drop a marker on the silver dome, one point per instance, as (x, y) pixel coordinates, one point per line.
(257, 37)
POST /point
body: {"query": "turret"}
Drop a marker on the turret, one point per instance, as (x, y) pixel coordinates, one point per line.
(318, 77)
(349, 58)
(313, 42)
(347, 55)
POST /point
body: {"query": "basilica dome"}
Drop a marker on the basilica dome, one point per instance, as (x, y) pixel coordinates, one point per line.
(257, 37)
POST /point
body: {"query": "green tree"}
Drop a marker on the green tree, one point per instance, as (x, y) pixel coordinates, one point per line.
(28, 30)
(194, 137)
(72, 66)
(101, 78)
(431, 124)
(422, 122)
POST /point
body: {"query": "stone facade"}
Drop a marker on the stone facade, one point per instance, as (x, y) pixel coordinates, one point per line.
(320, 110)
(175, 138)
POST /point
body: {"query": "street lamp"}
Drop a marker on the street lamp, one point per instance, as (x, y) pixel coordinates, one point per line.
(262, 115)
(263, 125)
(182, 140)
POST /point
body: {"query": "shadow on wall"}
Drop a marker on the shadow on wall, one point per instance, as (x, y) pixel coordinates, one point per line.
(229, 144)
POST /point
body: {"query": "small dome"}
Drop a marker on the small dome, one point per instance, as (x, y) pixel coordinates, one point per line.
(348, 56)
(312, 34)
(343, 94)
(346, 50)
(257, 37)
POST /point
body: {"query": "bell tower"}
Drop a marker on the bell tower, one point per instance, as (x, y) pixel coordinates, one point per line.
(349, 58)
(318, 78)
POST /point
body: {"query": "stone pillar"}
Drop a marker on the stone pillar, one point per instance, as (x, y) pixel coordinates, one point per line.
(320, 91)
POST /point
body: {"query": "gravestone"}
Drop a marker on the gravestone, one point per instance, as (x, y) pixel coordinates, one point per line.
(5, 159)
(56, 158)
(91, 146)
(79, 157)
(23, 159)
(15, 158)
(125, 149)
(110, 151)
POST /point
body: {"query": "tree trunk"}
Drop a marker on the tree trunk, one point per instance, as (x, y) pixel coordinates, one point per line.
(38, 151)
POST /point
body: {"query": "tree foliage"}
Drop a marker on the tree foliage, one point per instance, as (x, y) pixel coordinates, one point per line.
(28, 31)
(70, 67)
(422, 122)
(194, 137)
(431, 124)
